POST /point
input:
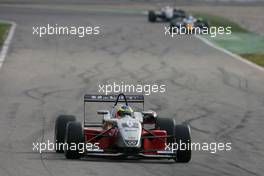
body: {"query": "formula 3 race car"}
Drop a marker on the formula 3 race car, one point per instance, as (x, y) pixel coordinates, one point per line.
(165, 14)
(122, 133)
(189, 25)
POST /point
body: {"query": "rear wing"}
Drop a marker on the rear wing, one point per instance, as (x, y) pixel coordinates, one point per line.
(112, 99)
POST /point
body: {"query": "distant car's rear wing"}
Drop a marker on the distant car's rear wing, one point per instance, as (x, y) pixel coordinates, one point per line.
(112, 98)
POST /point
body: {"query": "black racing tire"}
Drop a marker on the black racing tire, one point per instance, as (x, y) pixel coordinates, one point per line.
(172, 28)
(73, 138)
(152, 16)
(60, 127)
(202, 24)
(168, 125)
(183, 136)
(206, 24)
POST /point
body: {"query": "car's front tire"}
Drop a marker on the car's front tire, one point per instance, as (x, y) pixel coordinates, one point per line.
(183, 137)
(73, 138)
(168, 125)
(60, 128)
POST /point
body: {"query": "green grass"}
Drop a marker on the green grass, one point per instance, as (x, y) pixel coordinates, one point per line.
(256, 58)
(221, 21)
(248, 45)
(3, 32)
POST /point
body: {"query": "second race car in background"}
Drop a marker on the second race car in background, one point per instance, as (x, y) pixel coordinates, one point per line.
(189, 25)
(165, 14)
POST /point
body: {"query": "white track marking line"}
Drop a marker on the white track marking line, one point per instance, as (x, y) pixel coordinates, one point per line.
(233, 55)
(7, 41)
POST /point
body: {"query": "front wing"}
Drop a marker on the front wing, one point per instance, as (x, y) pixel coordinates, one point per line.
(161, 154)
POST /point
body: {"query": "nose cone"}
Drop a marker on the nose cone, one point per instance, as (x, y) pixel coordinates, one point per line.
(130, 132)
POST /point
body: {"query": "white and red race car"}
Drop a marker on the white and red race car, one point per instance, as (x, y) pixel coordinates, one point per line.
(135, 134)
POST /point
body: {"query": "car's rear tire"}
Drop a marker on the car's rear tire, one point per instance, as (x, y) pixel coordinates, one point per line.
(73, 137)
(60, 128)
(183, 136)
(206, 24)
(172, 28)
(152, 16)
(168, 125)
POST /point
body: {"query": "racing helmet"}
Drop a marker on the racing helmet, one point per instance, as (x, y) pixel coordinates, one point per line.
(124, 110)
(191, 17)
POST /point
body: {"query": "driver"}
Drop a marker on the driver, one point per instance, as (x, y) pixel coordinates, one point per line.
(168, 11)
(189, 19)
(123, 110)
(119, 111)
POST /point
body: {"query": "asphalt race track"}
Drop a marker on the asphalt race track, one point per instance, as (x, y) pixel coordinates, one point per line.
(221, 98)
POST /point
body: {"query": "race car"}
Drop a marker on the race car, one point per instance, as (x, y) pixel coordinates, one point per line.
(189, 25)
(123, 133)
(165, 14)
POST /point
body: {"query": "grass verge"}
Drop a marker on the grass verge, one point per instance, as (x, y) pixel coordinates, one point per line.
(221, 21)
(4, 27)
(247, 44)
(256, 58)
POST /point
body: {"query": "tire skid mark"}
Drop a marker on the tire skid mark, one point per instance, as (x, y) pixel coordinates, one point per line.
(37, 94)
(121, 35)
(234, 81)
(198, 129)
(164, 52)
(37, 135)
(251, 144)
(160, 104)
(241, 124)
(210, 168)
(146, 72)
(11, 117)
(42, 140)
(242, 168)
(237, 82)
(87, 76)
(40, 93)
(185, 82)
(176, 75)
(206, 114)
(118, 63)
(70, 71)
